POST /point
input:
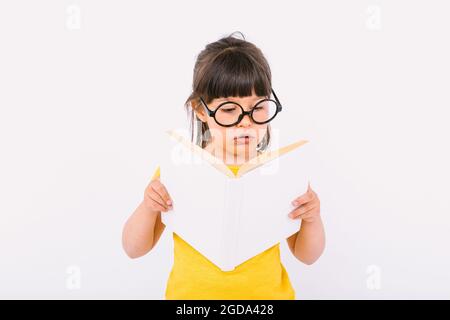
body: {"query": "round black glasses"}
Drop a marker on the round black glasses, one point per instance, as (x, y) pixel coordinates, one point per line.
(230, 113)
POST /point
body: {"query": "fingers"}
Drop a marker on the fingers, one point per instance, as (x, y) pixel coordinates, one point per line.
(158, 197)
(301, 212)
(161, 190)
(157, 203)
(306, 197)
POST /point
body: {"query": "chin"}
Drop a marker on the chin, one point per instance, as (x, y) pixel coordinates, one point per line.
(243, 148)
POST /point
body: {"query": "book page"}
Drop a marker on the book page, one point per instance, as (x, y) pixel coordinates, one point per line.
(197, 190)
(268, 191)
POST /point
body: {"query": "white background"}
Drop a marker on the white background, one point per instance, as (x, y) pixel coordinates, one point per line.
(87, 87)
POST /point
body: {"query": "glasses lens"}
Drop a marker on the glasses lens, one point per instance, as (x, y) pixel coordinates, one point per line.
(228, 114)
(265, 111)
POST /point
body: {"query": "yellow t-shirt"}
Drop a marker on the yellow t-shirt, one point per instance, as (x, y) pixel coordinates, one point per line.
(193, 276)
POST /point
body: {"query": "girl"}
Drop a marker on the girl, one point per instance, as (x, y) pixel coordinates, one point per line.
(231, 108)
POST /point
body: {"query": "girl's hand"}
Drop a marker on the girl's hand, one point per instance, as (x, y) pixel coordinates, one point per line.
(309, 209)
(156, 197)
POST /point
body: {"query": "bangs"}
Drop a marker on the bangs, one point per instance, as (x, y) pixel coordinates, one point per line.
(234, 73)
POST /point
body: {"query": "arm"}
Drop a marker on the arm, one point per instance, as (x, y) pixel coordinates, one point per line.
(308, 244)
(144, 228)
(142, 231)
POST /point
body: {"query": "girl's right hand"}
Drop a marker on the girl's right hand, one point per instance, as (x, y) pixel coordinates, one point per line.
(156, 197)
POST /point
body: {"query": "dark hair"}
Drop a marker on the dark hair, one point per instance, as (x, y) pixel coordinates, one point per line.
(227, 67)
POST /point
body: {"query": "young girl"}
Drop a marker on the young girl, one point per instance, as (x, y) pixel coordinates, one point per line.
(231, 108)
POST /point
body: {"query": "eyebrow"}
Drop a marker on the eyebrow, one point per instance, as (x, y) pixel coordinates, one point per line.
(228, 99)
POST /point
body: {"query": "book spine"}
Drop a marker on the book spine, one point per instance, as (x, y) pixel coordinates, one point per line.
(230, 222)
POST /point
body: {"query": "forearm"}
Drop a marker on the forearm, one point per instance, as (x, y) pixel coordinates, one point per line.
(138, 232)
(310, 241)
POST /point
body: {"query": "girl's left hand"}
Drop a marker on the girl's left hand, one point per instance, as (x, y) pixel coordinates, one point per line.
(309, 209)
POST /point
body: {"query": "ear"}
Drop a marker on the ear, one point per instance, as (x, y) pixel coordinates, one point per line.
(201, 115)
(199, 111)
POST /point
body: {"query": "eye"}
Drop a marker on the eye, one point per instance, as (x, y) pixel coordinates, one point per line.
(228, 109)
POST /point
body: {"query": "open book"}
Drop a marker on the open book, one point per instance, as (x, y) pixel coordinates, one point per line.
(231, 218)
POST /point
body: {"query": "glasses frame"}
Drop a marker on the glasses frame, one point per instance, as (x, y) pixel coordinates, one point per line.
(212, 113)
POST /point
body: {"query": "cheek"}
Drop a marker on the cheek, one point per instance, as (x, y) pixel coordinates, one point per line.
(261, 132)
(218, 132)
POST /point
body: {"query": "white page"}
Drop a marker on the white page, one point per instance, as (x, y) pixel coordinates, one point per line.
(197, 191)
(269, 191)
(230, 220)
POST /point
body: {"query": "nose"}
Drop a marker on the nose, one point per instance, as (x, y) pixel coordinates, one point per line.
(246, 121)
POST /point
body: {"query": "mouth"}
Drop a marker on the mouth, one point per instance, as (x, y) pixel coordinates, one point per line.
(243, 139)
